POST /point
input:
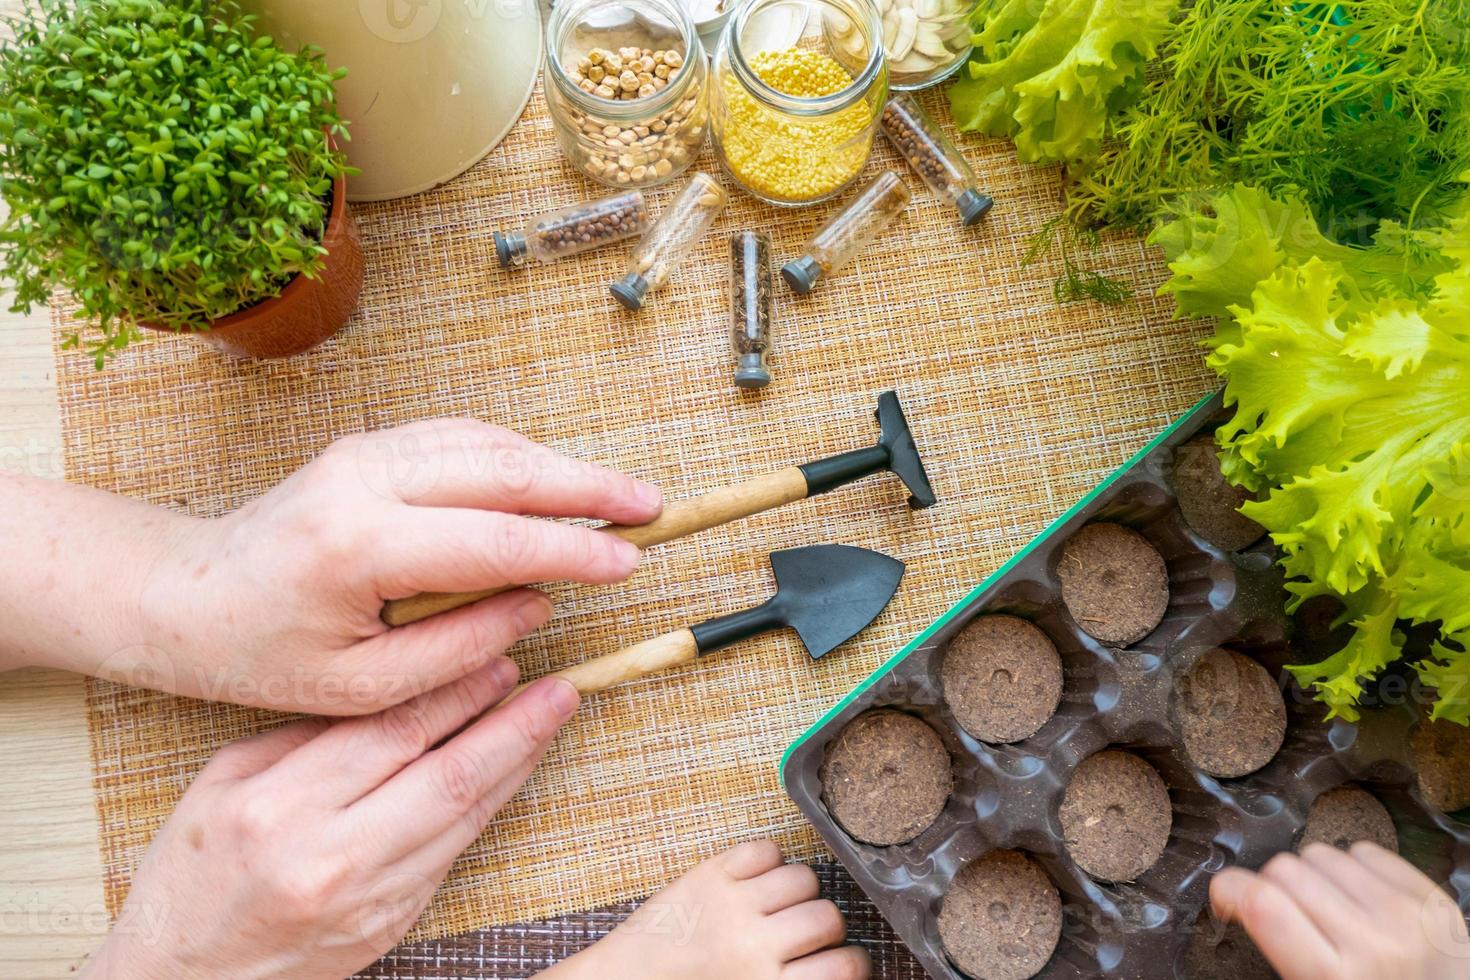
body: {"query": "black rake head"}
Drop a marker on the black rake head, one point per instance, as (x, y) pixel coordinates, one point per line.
(903, 455)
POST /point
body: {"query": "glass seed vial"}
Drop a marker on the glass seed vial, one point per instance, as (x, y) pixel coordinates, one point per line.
(838, 241)
(672, 237)
(573, 229)
(750, 307)
(921, 142)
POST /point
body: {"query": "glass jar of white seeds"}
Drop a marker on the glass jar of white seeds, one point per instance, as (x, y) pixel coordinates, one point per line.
(926, 40)
(625, 84)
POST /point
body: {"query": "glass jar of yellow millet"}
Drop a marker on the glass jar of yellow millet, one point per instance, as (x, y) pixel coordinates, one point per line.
(797, 88)
(626, 86)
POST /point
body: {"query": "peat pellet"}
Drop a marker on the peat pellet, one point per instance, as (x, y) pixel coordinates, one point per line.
(1210, 503)
(887, 777)
(1114, 583)
(1002, 678)
(1220, 951)
(1115, 816)
(1001, 917)
(1441, 754)
(1341, 817)
(1230, 713)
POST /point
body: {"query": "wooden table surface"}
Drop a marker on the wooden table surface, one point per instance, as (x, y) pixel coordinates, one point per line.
(51, 911)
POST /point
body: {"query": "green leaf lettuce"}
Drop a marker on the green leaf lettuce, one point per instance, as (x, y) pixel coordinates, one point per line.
(1351, 398)
(1051, 72)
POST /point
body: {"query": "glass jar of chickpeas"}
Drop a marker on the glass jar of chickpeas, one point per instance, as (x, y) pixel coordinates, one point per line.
(797, 88)
(626, 87)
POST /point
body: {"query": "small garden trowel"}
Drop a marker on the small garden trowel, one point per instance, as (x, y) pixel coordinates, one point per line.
(827, 593)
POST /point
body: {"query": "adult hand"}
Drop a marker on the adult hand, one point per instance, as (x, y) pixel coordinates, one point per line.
(277, 604)
(309, 850)
(1360, 914)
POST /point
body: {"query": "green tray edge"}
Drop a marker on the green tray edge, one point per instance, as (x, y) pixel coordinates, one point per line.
(970, 596)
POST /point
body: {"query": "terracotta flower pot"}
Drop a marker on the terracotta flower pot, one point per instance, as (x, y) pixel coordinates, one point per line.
(308, 311)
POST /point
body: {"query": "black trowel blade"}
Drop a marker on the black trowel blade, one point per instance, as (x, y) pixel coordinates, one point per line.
(829, 593)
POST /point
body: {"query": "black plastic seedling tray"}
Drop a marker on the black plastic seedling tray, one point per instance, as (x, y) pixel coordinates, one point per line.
(1007, 796)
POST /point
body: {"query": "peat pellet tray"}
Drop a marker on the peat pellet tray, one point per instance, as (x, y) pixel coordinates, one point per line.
(1009, 797)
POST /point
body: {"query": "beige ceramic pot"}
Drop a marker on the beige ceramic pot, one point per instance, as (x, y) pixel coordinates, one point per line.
(431, 86)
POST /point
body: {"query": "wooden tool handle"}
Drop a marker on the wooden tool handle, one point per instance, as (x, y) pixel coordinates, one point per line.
(679, 519)
(685, 517)
(630, 663)
(401, 612)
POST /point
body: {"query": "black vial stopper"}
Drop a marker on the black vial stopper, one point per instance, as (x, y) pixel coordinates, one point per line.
(630, 290)
(751, 373)
(973, 205)
(802, 274)
(510, 249)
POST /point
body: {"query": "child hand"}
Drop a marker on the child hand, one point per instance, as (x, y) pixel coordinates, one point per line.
(277, 605)
(1343, 915)
(741, 915)
(309, 850)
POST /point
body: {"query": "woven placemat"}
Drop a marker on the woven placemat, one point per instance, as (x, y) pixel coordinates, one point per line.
(1018, 405)
(516, 951)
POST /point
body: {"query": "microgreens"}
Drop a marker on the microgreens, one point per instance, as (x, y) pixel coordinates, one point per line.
(160, 162)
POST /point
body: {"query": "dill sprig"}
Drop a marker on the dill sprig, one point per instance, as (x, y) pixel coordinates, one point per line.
(1076, 283)
(1362, 107)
